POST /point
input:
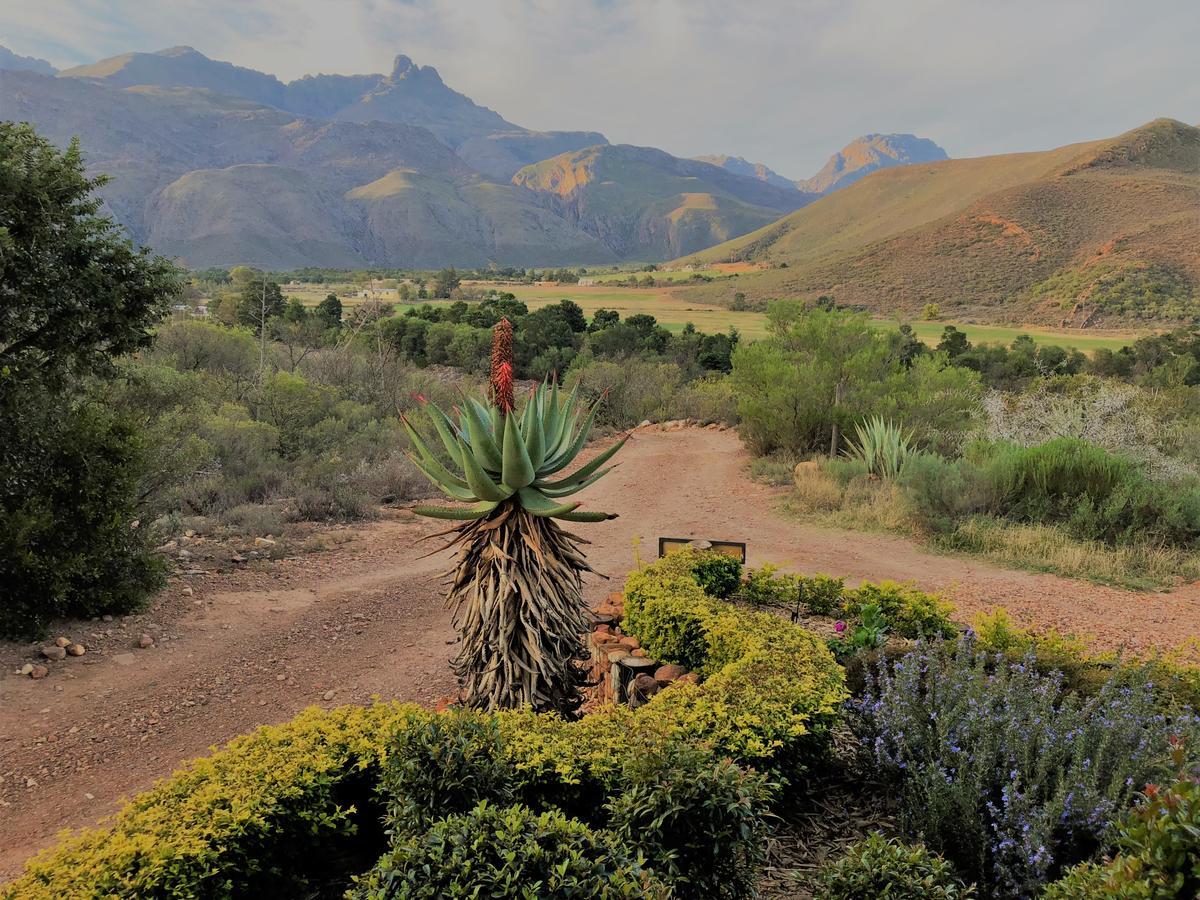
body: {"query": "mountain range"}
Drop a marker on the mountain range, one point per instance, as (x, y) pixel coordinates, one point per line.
(859, 158)
(1105, 232)
(218, 164)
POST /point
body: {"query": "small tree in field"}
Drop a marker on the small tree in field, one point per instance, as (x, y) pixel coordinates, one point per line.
(517, 589)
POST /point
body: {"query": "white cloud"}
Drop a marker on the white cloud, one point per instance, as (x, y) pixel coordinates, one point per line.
(779, 82)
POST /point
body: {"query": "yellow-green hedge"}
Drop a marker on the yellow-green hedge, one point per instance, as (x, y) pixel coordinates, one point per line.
(237, 822)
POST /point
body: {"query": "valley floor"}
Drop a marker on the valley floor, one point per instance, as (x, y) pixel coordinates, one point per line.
(367, 619)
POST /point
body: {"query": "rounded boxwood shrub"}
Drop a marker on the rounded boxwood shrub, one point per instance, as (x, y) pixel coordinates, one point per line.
(700, 821)
(509, 851)
(445, 765)
(886, 868)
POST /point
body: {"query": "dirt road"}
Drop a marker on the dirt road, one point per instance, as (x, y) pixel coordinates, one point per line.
(366, 619)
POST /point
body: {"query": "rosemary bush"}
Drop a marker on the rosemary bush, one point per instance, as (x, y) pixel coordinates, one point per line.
(1002, 770)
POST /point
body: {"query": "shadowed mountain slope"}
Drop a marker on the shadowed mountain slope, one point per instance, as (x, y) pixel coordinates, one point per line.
(215, 179)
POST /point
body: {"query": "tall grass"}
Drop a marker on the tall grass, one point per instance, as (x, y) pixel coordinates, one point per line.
(837, 493)
(1049, 548)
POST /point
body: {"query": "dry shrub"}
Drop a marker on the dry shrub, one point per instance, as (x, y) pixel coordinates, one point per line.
(816, 491)
(1051, 549)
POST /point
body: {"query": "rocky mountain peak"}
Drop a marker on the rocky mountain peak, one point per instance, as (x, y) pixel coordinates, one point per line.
(868, 153)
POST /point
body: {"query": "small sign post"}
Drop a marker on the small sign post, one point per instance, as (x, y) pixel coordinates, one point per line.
(736, 549)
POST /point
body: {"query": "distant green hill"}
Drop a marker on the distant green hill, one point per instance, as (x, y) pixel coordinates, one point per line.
(1107, 231)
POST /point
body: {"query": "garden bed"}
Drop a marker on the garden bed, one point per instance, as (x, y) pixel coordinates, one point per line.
(663, 789)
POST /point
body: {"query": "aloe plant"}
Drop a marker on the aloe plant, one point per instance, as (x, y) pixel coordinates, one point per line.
(517, 588)
(882, 445)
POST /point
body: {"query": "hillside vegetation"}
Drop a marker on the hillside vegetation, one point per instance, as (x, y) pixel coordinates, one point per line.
(1083, 235)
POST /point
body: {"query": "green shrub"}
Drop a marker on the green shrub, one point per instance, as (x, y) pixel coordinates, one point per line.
(1000, 769)
(718, 574)
(941, 492)
(256, 817)
(508, 852)
(1096, 494)
(778, 686)
(700, 821)
(763, 587)
(445, 765)
(822, 594)
(879, 867)
(909, 612)
(70, 543)
(267, 813)
(1159, 851)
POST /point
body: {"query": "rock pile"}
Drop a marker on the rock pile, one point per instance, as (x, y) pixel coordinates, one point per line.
(621, 669)
(62, 648)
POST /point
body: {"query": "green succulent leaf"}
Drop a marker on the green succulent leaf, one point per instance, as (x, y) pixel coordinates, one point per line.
(538, 504)
(429, 468)
(580, 515)
(462, 513)
(483, 445)
(429, 463)
(517, 470)
(479, 481)
(583, 473)
(575, 488)
(447, 431)
(534, 439)
(564, 458)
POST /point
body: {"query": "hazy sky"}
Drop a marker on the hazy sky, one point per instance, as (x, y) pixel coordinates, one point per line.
(783, 83)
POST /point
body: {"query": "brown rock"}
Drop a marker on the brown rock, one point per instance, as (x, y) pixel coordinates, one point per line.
(634, 643)
(646, 686)
(39, 672)
(444, 703)
(62, 641)
(638, 652)
(76, 649)
(689, 678)
(53, 652)
(668, 673)
(615, 655)
(145, 642)
(603, 629)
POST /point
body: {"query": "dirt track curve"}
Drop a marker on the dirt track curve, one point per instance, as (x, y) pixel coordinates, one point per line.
(367, 619)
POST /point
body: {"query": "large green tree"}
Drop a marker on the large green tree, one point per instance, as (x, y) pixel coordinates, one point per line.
(75, 296)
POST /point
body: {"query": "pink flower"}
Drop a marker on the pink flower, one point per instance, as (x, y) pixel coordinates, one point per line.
(839, 626)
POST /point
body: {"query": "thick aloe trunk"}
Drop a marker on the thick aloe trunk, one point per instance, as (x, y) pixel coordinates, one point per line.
(517, 594)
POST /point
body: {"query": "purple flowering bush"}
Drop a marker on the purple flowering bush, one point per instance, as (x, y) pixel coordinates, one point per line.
(1003, 771)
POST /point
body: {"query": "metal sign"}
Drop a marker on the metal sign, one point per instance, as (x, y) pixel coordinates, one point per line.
(736, 549)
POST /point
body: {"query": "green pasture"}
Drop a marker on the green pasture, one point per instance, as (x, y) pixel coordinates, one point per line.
(673, 312)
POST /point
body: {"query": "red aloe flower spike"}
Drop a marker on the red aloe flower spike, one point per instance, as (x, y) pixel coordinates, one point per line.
(502, 366)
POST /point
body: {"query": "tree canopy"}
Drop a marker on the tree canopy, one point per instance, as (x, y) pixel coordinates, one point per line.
(74, 293)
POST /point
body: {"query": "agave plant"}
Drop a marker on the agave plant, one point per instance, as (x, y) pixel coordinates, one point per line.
(882, 445)
(517, 589)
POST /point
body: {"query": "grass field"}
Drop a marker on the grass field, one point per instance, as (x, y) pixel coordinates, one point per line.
(678, 275)
(673, 312)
